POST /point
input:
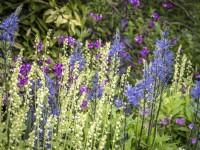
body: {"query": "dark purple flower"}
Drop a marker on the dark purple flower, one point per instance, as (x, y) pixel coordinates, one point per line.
(98, 55)
(144, 52)
(71, 40)
(58, 69)
(97, 44)
(46, 69)
(48, 61)
(155, 15)
(174, 41)
(90, 45)
(190, 126)
(15, 58)
(84, 89)
(165, 121)
(22, 81)
(25, 68)
(164, 4)
(24, 60)
(5, 101)
(63, 39)
(194, 140)
(40, 46)
(124, 54)
(135, 2)
(97, 17)
(151, 24)
(197, 75)
(84, 104)
(169, 5)
(140, 60)
(180, 121)
(138, 39)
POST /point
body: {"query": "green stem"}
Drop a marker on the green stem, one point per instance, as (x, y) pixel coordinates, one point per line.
(160, 102)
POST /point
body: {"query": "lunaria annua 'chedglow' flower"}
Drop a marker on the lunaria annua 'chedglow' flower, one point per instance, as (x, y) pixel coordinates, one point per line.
(151, 24)
(71, 40)
(40, 46)
(90, 45)
(10, 25)
(97, 44)
(84, 104)
(58, 69)
(77, 57)
(139, 39)
(135, 2)
(117, 46)
(155, 15)
(144, 52)
(180, 121)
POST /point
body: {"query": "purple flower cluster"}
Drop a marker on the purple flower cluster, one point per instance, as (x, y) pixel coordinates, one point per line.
(58, 70)
(22, 77)
(9, 26)
(136, 3)
(167, 5)
(144, 52)
(97, 17)
(96, 44)
(40, 46)
(156, 17)
(139, 39)
(71, 40)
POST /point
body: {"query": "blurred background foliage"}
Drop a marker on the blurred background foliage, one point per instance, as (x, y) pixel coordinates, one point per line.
(71, 17)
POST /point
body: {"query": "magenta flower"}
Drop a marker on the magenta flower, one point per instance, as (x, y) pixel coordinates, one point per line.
(197, 75)
(144, 52)
(151, 24)
(174, 41)
(138, 39)
(48, 61)
(155, 16)
(140, 60)
(58, 69)
(90, 45)
(190, 126)
(180, 121)
(135, 2)
(40, 46)
(97, 44)
(71, 40)
(84, 89)
(169, 5)
(84, 104)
